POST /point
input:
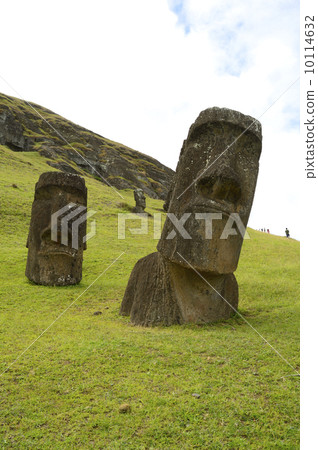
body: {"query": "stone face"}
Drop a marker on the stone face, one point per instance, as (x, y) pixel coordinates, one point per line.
(140, 200)
(191, 278)
(51, 262)
(211, 179)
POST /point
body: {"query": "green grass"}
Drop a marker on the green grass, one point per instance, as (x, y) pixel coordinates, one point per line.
(65, 391)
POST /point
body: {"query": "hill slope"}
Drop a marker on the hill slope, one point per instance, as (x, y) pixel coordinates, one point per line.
(68, 147)
(66, 389)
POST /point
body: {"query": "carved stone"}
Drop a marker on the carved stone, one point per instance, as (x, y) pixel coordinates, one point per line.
(140, 200)
(162, 292)
(51, 262)
(191, 278)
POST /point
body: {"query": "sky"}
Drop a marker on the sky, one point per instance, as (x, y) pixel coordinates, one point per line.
(139, 72)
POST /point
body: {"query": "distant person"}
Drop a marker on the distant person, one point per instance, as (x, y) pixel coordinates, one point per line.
(267, 230)
(287, 232)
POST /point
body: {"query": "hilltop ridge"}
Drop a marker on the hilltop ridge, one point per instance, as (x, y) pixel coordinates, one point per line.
(27, 127)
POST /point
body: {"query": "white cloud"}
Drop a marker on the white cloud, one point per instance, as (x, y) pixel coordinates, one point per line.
(138, 74)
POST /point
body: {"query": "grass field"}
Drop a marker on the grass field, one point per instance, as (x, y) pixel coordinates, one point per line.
(66, 389)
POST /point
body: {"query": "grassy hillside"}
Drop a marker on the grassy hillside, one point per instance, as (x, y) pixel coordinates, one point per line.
(65, 390)
(25, 126)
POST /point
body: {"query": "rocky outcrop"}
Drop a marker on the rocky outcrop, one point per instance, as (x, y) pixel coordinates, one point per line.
(71, 148)
(11, 132)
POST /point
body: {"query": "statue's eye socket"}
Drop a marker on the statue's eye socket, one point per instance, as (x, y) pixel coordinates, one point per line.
(205, 186)
(219, 188)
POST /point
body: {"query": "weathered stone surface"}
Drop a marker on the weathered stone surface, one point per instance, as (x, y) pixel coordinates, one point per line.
(149, 298)
(162, 292)
(140, 200)
(217, 173)
(11, 132)
(191, 279)
(22, 129)
(53, 263)
(168, 199)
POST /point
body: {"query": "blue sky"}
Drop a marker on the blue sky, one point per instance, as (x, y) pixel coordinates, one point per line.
(177, 7)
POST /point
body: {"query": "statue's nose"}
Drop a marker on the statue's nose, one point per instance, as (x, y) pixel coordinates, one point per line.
(56, 234)
(58, 202)
(221, 184)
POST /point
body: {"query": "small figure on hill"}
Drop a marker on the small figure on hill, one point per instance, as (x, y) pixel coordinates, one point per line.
(140, 200)
(167, 202)
(287, 232)
(267, 230)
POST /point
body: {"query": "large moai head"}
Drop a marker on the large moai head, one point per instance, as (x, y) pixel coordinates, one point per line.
(216, 174)
(57, 229)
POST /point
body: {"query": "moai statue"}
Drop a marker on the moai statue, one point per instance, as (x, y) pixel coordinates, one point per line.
(140, 200)
(168, 198)
(57, 230)
(190, 278)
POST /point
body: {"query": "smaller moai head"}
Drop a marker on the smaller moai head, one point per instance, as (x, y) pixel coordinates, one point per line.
(216, 174)
(57, 230)
(168, 198)
(140, 198)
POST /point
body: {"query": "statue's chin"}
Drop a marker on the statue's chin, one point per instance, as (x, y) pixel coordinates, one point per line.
(222, 259)
(58, 268)
(213, 254)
